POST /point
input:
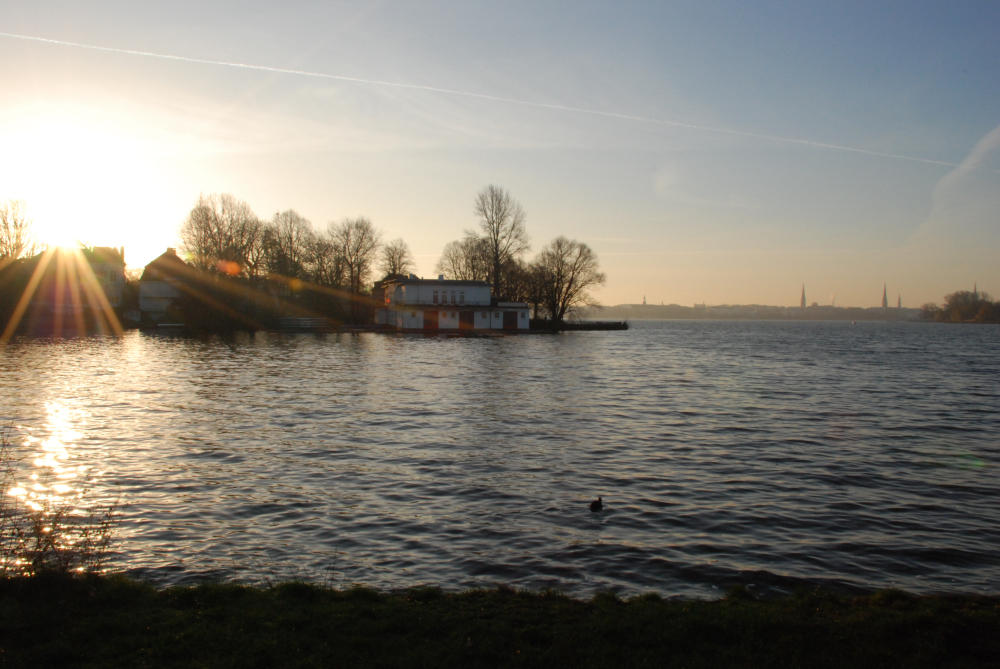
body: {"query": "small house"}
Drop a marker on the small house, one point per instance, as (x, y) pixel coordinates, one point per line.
(161, 285)
(429, 305)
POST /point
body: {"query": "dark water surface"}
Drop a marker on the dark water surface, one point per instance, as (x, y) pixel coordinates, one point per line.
(763, 453)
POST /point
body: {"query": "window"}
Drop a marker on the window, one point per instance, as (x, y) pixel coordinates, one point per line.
(461, 297)
(453, 297)
(435, 297)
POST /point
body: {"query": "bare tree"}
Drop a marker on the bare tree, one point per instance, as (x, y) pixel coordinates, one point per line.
(14, 237)
(567, 269)
(288, 241)
(356, 241)
(223, 234)
(465, 260)
(501, 220)
(396, 258)
(326, 264)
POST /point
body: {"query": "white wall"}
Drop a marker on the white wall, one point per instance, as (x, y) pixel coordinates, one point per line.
(448, 320)
(410, 319)
(496, 318)
(156, 296)
(483, 320)
(424, 294)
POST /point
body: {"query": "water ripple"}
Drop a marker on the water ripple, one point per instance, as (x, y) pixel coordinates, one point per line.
(772, 454)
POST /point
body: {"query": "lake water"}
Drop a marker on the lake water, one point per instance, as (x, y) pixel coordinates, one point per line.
(768, 454)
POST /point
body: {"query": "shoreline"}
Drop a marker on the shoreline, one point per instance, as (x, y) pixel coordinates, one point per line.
(113, 620)
(583, 326)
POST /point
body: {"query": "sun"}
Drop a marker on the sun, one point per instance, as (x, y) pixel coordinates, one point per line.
(87, 177)
(73, 166)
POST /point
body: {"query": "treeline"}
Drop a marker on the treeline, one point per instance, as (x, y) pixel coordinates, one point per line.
(223, 236)
(963, 306)
(325, 271)
(245, 272)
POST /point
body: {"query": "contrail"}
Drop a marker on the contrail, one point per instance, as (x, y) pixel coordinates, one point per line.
(482, 96)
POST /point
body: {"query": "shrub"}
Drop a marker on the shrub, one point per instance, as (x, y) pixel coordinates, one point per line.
(48, 537)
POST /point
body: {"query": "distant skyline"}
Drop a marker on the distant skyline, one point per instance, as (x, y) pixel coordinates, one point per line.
(719, 153)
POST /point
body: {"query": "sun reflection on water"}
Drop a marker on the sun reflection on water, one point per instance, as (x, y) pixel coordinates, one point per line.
(57, 527)
(55, 479)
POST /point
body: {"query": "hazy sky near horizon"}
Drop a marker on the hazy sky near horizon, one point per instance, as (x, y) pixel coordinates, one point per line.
(722, 152)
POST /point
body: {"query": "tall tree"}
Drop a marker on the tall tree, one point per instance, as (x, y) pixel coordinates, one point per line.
(465, 260)
(396, 258)
(501, 221)
(567, 269)
(326, 264)
(14, 231)
(223, 234)
(288, 241)
(356, 241)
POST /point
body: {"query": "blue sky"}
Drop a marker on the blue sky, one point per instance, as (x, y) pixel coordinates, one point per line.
(708, 152)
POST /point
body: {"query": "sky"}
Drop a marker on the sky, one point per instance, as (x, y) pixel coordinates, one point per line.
(708, 152)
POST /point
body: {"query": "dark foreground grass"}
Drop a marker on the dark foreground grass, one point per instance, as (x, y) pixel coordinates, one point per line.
(95, 621)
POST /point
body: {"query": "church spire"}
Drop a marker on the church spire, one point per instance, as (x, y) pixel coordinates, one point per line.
(885, 298)
(802, 303)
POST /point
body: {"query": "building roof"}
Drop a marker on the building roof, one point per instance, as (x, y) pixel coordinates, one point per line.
(423, 306)
(165, 266)
(413, 281)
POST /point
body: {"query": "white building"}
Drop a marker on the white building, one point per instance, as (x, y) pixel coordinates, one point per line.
(440, 304)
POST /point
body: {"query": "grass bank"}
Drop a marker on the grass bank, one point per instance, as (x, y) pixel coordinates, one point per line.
(112, 621)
